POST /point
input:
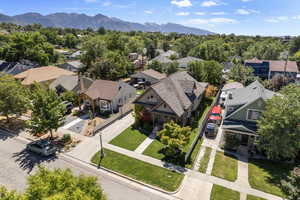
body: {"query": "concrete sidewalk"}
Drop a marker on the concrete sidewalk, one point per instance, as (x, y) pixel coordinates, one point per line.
(91, 145)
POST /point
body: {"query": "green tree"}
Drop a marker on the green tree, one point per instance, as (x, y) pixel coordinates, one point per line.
(292, 185)
(295, 45)
(10, 195)
(155, 65)
(206, 71)
(70, 96)
(175, 138)
(70, 41)
(101, 31)
(62, 184)
(242, 74)
(13, 97)
(47, 111)
(266, 50)
(278, 128)
(184, 45)
(172, 68)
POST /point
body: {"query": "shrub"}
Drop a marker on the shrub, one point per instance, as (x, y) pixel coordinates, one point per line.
(66, 138)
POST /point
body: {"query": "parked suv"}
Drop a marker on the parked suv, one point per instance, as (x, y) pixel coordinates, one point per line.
(42, 147)
(211, 130)
(215, 115)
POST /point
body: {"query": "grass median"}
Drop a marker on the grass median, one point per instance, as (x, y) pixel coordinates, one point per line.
(225, 166)
(139, 170)
(222, 193)
(204, 161)
(251, 197)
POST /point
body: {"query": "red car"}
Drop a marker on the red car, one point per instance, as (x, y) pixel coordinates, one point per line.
(215, 115)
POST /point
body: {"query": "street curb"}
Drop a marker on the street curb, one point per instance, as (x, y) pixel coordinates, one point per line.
(15, 135)
(129, 178)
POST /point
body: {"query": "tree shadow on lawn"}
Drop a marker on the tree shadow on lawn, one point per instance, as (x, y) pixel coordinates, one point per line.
(28, 160)
(278, 170)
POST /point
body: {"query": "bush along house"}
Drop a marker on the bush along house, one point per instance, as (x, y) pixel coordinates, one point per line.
(243, 107)
(173, 98)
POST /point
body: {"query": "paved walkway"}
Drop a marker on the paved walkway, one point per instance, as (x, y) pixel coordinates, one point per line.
(142, 147)
(72, 123)
(87, 148)
(199, 158)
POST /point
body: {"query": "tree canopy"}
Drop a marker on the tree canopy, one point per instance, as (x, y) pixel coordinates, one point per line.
(279, 127)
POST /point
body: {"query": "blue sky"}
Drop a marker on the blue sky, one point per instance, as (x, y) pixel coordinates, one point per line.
(248, 17)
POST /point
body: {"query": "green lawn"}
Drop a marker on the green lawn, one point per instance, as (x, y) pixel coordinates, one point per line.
(222, 193)
(155, 148)
(129, 139)
(266, 175)
(204, 161)
(225, 167)
(250, 197)
(140, 170)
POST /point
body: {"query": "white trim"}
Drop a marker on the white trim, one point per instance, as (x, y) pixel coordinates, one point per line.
(252, 120)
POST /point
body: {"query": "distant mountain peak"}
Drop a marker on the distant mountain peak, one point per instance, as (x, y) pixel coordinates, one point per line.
(83, 21)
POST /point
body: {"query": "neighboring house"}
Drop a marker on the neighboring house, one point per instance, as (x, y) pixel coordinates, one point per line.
(228, 88)
(183, 62)
(63, 52)
(267, 69)
(162, 59)
(13, 68)
(169, 53)
(43, 75)
(243, 107)
(73, 66)
(133, 56)
(147, 77)
(173, 98)
(72, 83)
(105, 95)
(75, 55)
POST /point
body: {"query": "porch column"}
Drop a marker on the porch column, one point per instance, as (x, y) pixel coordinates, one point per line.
(111, 107)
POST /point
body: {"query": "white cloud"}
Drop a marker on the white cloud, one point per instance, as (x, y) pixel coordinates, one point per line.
(107, 3)
(296, 17)
(246, 0)
(243, 11)
(209, 3)
(218, 13)
(199, 13)
(183, 13)
(90, 1)
(277, 19)
(182, 3)
(149, 12)
(212, 21)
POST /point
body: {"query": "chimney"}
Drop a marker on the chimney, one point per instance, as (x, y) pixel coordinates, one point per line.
(82, 88)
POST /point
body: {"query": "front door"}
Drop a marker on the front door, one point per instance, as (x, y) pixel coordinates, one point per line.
(245, 139)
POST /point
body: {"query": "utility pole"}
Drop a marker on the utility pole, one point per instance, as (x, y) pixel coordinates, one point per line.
(101, 147)
(286, 56)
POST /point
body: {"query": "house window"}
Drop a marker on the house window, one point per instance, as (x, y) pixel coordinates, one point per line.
(104, 105)
(253, 115)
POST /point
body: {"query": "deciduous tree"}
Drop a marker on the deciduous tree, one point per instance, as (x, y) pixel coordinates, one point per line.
(47, 111)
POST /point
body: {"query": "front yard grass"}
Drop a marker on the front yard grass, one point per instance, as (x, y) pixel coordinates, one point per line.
(266, 175)
(139, 170)
(156, 147)
(129, 139)
(222, 193)
(204, 161)
(225, 166)
(251, 197)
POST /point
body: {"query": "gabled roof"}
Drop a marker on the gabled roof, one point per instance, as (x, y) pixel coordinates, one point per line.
(103, 89)
(183, 62)
(70, 82)
(279, 66)
(14, 68)
(41, 74)
(172, 90)
(233, 85)
(162, 59)
(249, 94)
(76, 64)
(151, 73)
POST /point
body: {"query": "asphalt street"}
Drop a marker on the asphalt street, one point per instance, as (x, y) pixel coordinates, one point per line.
(16, 164)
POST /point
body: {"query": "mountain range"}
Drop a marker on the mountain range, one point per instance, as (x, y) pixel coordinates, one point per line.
(83, 21)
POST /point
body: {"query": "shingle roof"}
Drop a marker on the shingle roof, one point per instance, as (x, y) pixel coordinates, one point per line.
(103, 89)
(183, 62)
(162, 59)
(154, 74)
(279, 66)
(172, 91)
(234, 85)
(41, 74)
(14, 68)
(249, 94)
(70, 82)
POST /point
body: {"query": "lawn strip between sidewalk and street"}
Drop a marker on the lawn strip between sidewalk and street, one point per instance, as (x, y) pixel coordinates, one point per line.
(222, 193)
(225, 166)
(139, 170)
